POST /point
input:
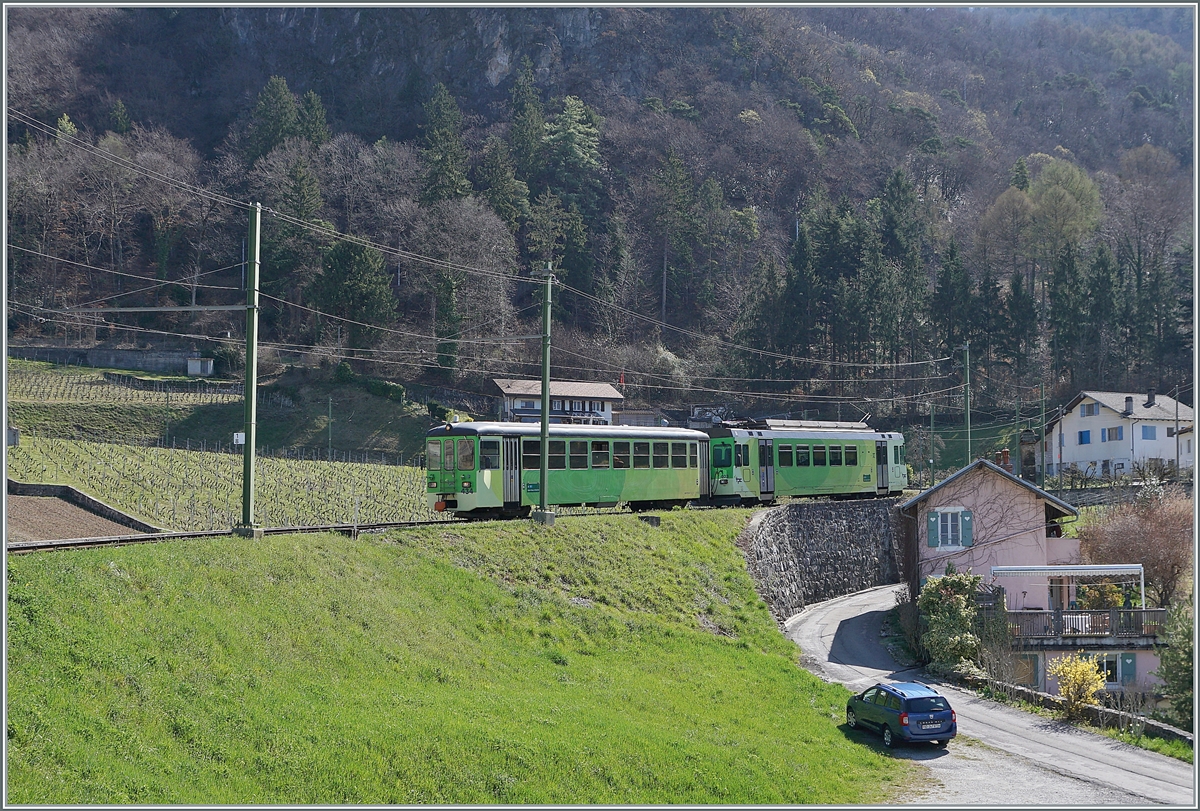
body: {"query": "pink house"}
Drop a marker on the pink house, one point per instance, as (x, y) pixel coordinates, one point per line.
(983, 517)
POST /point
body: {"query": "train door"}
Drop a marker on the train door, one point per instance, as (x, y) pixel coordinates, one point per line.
(512, 472)
(766, 470)
(705, 473)
(881, 467)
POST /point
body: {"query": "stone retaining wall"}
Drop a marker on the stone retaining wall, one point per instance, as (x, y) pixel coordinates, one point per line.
(164, 361)
(810, 551)
(1103, 716)
(81, 500)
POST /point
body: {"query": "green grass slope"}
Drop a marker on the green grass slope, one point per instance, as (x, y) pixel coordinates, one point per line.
(597, 661)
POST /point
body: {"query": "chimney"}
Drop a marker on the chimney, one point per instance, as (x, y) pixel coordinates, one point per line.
(1150, 397)
(997, 458)
(1004, 463)
(1129, 405)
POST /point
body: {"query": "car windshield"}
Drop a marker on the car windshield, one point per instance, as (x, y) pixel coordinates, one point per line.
(928, 704)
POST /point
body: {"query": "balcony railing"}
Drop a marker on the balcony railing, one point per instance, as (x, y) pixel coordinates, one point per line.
(1115, 622)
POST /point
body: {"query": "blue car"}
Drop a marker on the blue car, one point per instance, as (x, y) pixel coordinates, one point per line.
(905, 711)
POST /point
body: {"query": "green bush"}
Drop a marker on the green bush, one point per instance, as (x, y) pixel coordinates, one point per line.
(438, 411)
(344, 374)
(385, 388)
(948, 606)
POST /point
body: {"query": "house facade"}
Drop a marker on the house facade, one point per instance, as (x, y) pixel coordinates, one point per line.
(984, 517)
(1104, 433)
(570, 402)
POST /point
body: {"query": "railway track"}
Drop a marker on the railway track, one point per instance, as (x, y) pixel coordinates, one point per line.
(23, 547)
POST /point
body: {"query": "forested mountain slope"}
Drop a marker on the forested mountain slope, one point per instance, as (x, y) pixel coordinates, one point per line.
(814, 202)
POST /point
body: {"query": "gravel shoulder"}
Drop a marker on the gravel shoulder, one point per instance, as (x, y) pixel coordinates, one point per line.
(42, 518)
(1002, 756)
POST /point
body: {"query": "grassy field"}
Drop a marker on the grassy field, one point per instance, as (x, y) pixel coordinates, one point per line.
(597, 661)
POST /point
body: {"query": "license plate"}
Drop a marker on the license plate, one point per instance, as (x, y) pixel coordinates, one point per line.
(933, 725)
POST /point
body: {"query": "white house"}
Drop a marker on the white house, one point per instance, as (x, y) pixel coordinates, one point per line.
(1107, 433)
(570, 402)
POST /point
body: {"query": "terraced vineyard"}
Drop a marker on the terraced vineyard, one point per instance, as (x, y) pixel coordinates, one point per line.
(194, 490)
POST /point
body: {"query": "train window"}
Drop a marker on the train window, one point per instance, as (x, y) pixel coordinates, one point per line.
(693, 454)
(579, 454)
(489, 454)
(599, 454)
(852, 455)
(903, 454)
(835, 455)
(801, 456)
(447, 454)
(722, 456)
(746, 456)
(661, 459)
(895, 454)
(531, 454)
(641, 455)
(785, 455)
(620, 455)
(466, 454)
(737, 455)
(433, 454)
(557, 454)
(679, 454)
(818, 456)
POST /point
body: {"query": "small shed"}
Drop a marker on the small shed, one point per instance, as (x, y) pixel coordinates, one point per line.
(200, 367)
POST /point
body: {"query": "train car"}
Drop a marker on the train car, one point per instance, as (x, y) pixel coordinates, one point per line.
(490, 470)
(760, 461)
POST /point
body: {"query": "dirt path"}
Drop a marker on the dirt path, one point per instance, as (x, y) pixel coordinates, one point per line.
(40, 518)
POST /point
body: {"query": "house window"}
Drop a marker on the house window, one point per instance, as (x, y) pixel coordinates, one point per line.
(528, 404)
(1089, 409)
(1104, 467)
(950, 526)
(1149, 432)
(1107, 662)
(1085, 437)
(577, 405)
(1170, 432)
(1112, 434)
(556, 405)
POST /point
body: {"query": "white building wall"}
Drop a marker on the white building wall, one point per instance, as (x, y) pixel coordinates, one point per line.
(1066, 449)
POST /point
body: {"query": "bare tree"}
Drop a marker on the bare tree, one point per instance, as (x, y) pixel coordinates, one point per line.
(1155, 530)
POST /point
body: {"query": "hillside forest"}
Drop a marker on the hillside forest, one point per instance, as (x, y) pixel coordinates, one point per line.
(788, 210)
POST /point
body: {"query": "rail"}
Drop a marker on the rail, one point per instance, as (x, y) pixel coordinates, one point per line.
(1109, 622)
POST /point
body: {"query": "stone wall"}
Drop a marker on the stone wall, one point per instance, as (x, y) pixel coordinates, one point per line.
(163, 361)
(806, 552)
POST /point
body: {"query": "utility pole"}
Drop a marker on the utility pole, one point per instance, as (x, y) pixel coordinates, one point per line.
(329, 423)
(967, 369)
(247, 527)
(1177, 431)
(543, 515)
(1042, 442)
(932, 477)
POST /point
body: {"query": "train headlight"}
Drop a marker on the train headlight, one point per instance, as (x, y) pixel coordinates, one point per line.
(466, 487)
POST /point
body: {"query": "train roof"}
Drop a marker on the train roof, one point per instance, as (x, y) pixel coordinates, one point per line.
(533, 429)
(792, 429)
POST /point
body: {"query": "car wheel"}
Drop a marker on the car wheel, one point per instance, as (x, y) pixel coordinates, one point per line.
(887, 736)
(851, 719)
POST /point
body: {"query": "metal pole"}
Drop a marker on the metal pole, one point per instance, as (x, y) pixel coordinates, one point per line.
(251, 387)
(967, 368)
(1042, 442)
(543, 515)
(932, 477)
(1177, 431)
(330, 424)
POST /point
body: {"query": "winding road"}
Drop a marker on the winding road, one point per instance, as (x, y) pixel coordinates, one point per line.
(1003, 756)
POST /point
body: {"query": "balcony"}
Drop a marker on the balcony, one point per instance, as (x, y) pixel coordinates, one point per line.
(1109, 624)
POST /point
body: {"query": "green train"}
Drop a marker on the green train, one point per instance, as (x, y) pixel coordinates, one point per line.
(489, 470)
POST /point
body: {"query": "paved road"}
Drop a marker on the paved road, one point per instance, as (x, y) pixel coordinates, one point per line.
(1002, 756)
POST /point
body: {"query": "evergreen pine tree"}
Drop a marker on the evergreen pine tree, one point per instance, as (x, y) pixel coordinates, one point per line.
(496, 180)
(1018, 177)
(354, 285)
(951, 301)
(274, 120)
(311, 120)
(445, 154)
(528, 125)
(1020, 318)
(572, 150)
